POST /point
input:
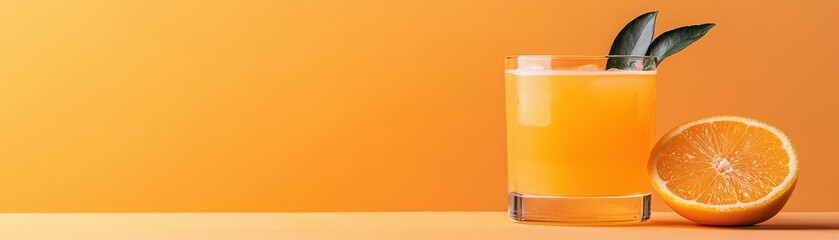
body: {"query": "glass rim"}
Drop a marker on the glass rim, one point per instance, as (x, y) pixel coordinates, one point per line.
(549, 56)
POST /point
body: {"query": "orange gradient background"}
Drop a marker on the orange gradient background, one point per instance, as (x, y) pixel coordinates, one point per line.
(357, 105)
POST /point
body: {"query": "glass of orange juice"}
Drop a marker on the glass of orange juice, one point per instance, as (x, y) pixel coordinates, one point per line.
(578, 137)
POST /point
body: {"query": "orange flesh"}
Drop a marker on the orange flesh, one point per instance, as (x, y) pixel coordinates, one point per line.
(723, 162)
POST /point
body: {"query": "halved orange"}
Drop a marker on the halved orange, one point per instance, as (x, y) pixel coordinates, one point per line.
(724, 171)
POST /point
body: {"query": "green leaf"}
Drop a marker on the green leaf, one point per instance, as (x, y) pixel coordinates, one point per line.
(633, 39)
(675, 40)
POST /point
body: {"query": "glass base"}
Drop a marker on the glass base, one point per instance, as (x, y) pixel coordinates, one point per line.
(580, 210)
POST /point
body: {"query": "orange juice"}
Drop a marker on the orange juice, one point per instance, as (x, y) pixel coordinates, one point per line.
(579, 133)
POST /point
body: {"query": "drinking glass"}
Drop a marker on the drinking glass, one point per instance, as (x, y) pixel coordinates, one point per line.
(579, 136)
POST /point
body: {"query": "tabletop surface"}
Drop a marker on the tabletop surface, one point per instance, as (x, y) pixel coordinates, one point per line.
(387, 225)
